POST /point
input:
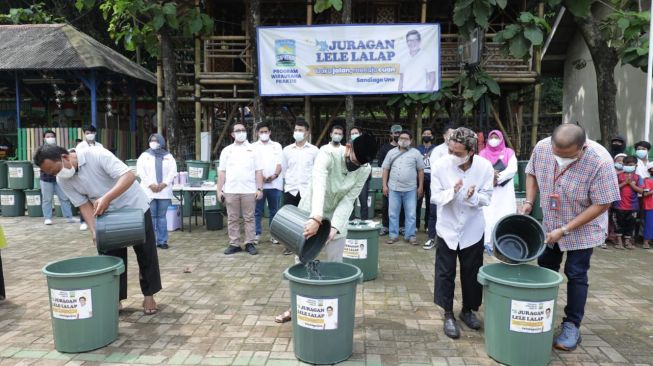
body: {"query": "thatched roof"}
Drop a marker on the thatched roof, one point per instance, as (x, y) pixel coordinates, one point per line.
(61, 47)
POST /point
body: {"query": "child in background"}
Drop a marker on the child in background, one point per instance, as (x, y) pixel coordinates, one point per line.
(625, 210)
(618, 167)
(647, 205)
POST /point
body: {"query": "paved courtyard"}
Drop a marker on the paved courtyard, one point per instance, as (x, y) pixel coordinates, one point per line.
(221, 313)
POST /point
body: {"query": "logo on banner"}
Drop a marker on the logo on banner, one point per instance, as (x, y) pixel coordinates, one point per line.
(285, 52)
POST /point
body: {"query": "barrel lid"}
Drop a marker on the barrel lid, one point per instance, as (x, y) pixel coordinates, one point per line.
(363, 225)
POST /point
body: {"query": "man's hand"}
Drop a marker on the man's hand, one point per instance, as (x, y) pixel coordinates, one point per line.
(458, 185)
(161, 187)
(420, 192)
(101, 205)
(385, 191)
(311, 226)
(154, 187)
(94, 239)
(220, 196)
(526, 209)
(259, 195)
(470, 191)
(332, 234)
(553, 237)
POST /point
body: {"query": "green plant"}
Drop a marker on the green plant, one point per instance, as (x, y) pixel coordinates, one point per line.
(628, 32)
(470, 14)
(517, 39)
(34, 14)
(322, 5)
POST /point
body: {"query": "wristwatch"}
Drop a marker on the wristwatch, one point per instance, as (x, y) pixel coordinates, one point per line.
(565, 231)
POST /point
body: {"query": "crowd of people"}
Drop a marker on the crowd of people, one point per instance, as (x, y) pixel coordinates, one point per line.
(464, 188)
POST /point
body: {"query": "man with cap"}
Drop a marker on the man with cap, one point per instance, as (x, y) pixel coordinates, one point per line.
(337, 180)
(395, 131)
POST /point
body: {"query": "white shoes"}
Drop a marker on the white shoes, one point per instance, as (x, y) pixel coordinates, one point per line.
(83, 227)
(47, 222)
(70, 220)
(274, 241)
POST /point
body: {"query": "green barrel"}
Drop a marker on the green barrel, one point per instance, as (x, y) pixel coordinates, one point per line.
(37, 177)
(187, 208)
(3, 174)
(12, 202)
(214, 220)
(131, 163)
(362, 247)
(198, 171)
(211, 202)
(119, 229)
(20, 174)
(80, 325)
(376, 182)
(520, 308)
(288, 227)
(521, 175)
(371, 205)
(536, 212)
(323, 311)
(33, 200)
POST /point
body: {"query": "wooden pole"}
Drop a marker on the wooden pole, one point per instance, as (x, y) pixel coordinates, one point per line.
(159, 97)
(307, 100)
(538, 87)
(198, 93)
(336, 112)
(349, 99)
(503, 129)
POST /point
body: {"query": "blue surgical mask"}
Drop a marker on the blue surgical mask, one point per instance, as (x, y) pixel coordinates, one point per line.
(618, 166)
(641, 154)
(629, 169)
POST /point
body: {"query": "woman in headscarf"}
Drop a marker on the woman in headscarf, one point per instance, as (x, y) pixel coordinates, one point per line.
(503, 201)
(157, 168)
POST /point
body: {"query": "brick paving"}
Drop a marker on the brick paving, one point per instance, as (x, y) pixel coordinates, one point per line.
(222, 312)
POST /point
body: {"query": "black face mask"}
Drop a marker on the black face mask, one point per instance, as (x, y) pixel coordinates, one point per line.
(617, 149)
(395, 138)
(427, 138)
(351, 167)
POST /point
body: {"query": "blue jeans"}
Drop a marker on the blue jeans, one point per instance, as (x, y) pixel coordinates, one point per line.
(433, 219)
(48, 190)
(159, 208)
(576, 267)
(272, 196)
(397, 200)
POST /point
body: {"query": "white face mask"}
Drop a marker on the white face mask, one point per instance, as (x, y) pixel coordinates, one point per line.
(457, 160)
(264, 137)
(336, 137)
(90, 136)
(240, 136)
(298, 136)
(563, 162)
(403, 144)
(50, 140)
(354, 136)
(66, 173)
(494, 142)
(154, 145)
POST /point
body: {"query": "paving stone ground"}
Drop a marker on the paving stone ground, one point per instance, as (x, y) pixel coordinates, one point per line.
(222, 312)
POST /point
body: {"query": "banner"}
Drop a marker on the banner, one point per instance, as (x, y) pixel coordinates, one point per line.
(349, 59)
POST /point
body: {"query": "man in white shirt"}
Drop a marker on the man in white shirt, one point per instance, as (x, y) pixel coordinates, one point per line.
(336, 134)
(240, 184)
(270, 153)
(437, 153)
(89, 138)
(417, 74)
(298, 161)
(461, 185)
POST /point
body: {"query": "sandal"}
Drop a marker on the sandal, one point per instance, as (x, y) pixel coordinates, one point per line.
(284, 317)
(151, 311)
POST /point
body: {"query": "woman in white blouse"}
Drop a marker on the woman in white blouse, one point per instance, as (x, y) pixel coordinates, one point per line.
(157, 168)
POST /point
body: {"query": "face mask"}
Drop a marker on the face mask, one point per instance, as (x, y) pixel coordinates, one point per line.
(618, 166)
(50, 140)
(395, 138)
(354, 136)
(642, 154)
(404, 144)
(617, 148)
(241, 136)
(457, 160)
(494, 142)
(350, 165)
(336, 138)
(298, 136)
(629, 169)
(264, 137)
(154, 145)
(90, 136)
(427, 139)
(65, 173)
(563, 162)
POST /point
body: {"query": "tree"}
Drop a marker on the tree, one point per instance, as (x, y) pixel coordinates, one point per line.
(152, 25)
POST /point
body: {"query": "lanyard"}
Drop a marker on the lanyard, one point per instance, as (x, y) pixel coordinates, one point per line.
(556, 177)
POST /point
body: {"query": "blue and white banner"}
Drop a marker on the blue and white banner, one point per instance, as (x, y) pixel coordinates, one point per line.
(349, 59)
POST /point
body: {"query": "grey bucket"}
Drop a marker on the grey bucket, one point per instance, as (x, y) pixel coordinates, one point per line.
(288, 227)
(518, 239)
(119, 229)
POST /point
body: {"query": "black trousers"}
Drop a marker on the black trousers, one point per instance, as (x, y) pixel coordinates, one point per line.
(427, 208)
(2, 282)
(624, 223)
(471, 259)
(148, 262)
(386, 218)
(289, 199)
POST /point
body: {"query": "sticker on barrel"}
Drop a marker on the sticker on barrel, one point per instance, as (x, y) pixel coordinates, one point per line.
(15, 172)
(71, 304)
(318, 314)
(34, 200)
(7, 200)
(355, 249)
(211, 200)
(196, 173)
(531, 317)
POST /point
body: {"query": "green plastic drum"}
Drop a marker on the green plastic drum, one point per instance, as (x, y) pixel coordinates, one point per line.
(323, 311)
(20, 174)
(520, 309)
(521, 175)
(3, 174)
(536, 212)
(198, 171)
(376, 182)
(84, 298)
(37, 177)
(362, 247)
(33, 200)
(12, 202)
(211, 202)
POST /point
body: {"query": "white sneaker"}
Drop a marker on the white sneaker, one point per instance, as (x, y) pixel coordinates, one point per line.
(274, 241)
(257, 238)
(70, 220)
(47, 222)
(83, 227)
(429, 244)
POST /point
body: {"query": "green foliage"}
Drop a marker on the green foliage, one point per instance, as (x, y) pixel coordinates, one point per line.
(519, 38)
(470, 14)
(35, 14)
(322, 5)
(627, 32)
(138, 22)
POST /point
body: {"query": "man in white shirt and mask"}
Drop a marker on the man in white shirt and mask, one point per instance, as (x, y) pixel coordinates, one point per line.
(337, 133)
(461, 184)
(90, 133)
(270, 153)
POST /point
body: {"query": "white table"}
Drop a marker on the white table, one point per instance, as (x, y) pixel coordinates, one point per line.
(178, 192)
